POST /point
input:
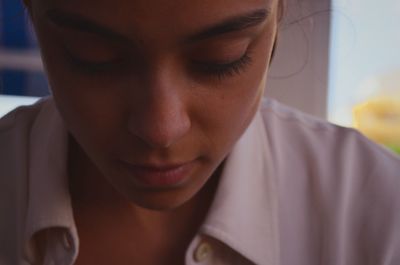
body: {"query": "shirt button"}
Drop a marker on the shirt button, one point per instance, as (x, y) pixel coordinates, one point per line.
(67, 241)
(202, 252)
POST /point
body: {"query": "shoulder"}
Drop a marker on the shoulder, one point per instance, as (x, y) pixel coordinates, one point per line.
(339, 181)
(290, 130)
(335, 156)
(15, 133)
(15, 130)
(21, 116)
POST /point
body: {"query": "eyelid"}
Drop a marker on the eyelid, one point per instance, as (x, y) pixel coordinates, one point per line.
(226, 69)
(216, 63)
(219, 51)
(90, 67)
(89, 47)
(224, 57)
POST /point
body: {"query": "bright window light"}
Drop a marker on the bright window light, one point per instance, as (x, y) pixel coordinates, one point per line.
(8, 103)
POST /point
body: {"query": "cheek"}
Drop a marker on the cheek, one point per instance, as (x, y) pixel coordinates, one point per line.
(92, 118)
(94, 122)
(232, 106)
(90, 114)
(225, 112)
(226, 115)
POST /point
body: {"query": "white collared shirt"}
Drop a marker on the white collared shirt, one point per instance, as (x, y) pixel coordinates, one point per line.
(294, 191)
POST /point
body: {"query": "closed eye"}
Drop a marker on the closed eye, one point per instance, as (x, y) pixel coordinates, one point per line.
(224, 70)
(92, 67)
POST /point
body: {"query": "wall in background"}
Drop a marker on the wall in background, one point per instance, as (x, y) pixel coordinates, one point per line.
(299, 72)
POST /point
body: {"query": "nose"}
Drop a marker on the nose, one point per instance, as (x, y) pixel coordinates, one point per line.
(160, 115)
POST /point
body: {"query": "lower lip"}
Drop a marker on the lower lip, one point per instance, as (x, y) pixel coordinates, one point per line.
(150, 177)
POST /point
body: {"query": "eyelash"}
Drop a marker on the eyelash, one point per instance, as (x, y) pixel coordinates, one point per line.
(90, 67)
(218, 70)
(225, 70)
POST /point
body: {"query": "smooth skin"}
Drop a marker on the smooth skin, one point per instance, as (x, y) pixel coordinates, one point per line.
(150, 83)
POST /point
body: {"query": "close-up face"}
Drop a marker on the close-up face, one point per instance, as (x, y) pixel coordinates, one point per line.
(156, 92)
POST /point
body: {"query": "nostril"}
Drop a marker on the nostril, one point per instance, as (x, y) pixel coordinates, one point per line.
(160, 129)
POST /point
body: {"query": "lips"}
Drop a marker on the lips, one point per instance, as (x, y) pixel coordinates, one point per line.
(159, 176)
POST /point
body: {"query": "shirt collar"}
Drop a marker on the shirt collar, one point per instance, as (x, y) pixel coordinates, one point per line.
(49, 203)
(244, 214)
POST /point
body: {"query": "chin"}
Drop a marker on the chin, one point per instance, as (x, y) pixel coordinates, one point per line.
(161, 200)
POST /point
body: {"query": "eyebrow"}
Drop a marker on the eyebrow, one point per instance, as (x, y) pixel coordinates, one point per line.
(76, 22)
(236, 23)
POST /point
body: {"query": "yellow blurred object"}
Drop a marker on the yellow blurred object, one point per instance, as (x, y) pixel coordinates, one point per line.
(379, 120)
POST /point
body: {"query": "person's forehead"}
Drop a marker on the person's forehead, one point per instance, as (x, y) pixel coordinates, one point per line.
(148, 13)
(155, 20)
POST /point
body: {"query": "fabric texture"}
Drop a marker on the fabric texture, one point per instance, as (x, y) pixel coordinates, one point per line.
(295, 190)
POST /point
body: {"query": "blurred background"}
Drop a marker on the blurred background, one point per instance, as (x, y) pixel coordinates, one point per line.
(21, 73)
(336, 59)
